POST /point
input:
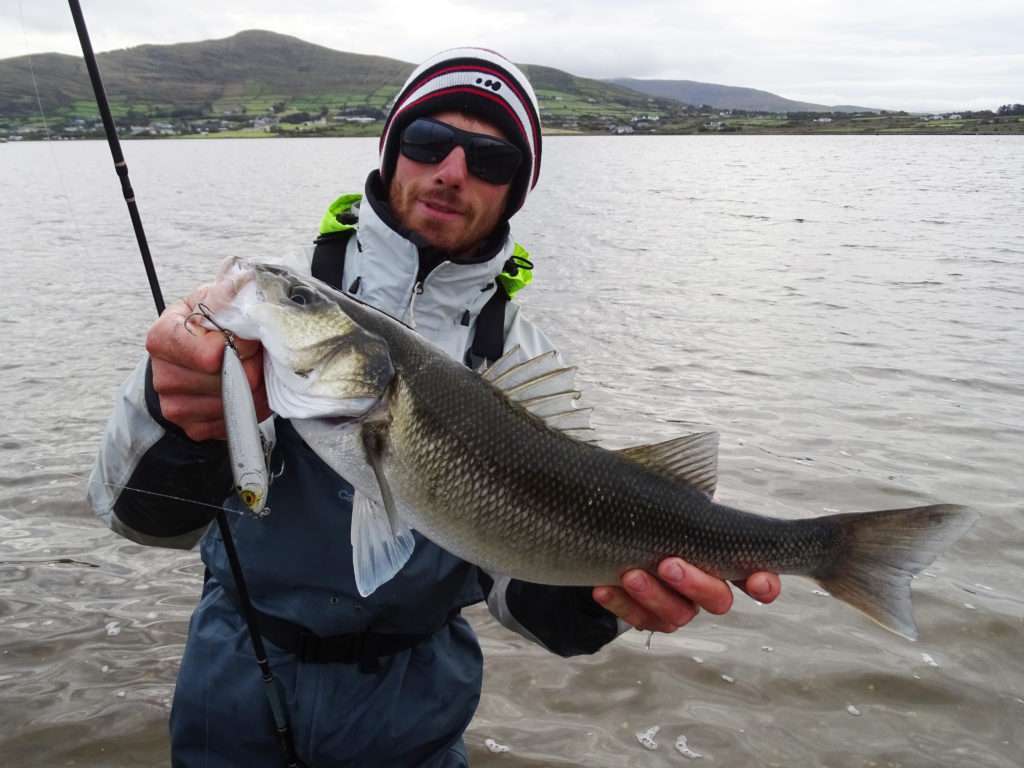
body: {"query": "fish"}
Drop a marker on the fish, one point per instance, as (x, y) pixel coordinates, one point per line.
(500, 467)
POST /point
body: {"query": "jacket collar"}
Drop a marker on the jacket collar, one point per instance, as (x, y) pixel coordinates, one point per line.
(386, 265)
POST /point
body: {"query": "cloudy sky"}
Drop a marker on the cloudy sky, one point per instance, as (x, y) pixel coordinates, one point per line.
(909, 54)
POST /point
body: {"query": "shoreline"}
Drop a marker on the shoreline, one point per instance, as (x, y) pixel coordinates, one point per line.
(547, 133)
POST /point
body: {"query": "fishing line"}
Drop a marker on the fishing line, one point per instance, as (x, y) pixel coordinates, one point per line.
(119, 487)
(32, 68)
(172, 497)
(49, 136)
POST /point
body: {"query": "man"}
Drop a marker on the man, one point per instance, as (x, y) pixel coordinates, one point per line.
(392, 679)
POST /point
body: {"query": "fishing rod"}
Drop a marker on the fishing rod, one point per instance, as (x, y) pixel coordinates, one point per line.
(271, 686)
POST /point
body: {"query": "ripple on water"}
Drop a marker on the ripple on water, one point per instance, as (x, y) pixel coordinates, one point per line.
(869, 350)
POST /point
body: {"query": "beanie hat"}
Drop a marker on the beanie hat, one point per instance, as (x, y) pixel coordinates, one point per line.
(480, 83)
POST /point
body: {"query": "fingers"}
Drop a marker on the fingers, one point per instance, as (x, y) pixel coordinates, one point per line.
(186, 360)
(201, 431)
(173, 338)
(182, 409)
(763, 587)
(676, 596)
(623, 605)
(710, 593)
(173, 379)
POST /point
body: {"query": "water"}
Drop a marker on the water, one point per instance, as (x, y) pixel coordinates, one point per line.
(845, 311)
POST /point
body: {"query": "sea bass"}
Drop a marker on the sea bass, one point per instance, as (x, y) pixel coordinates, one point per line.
(496, 468)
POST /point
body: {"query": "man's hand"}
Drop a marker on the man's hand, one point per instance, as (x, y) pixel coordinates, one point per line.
(186, 370)
(671, 601)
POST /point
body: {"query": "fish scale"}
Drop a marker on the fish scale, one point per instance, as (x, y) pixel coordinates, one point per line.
(451, 454)
(628, 516)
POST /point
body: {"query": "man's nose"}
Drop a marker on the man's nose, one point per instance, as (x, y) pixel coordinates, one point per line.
(452, 171)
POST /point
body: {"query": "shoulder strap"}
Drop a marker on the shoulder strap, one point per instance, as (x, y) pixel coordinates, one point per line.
(329, 257)
(489, 340)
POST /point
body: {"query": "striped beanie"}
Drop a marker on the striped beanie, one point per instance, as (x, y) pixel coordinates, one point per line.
(480, 83)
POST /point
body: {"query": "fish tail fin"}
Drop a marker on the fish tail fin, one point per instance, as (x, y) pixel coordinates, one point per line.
(881, 552)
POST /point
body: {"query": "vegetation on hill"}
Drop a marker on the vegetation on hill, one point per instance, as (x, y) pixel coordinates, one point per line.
(258, 83)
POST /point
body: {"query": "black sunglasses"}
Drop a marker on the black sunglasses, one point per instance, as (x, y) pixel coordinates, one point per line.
(488, 158)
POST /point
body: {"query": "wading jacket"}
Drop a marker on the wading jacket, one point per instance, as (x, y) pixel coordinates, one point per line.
(408, 708)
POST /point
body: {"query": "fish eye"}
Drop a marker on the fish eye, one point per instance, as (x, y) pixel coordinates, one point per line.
(302, 295)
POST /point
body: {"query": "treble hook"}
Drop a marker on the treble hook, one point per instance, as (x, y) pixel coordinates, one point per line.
(204, 311)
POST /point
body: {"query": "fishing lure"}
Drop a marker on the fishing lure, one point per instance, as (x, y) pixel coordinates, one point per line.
(247, 447)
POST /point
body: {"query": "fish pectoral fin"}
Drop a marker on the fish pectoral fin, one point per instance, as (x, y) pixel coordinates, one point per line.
(691, 459)
(379, 547)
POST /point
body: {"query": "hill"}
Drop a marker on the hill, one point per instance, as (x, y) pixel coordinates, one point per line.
(253, 71)
(726, 96)
(210, 76)
(259, 83)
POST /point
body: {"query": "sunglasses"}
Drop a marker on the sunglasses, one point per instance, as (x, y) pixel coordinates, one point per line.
(488, 158)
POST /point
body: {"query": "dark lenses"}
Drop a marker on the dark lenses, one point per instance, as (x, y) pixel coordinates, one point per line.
(493, 160)
(427, 141)
(488, 158)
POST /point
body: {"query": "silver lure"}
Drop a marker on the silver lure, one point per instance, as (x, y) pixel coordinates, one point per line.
(245, 442)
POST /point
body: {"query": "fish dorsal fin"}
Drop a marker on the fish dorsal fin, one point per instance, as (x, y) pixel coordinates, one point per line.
(691, 459)
(549, 405)
(510, 359)
(559, 411)
(547, 383)
(546, 389)
(571, 420)
(527, 371)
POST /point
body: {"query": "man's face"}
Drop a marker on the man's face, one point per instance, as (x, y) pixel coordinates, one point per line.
(443, 203)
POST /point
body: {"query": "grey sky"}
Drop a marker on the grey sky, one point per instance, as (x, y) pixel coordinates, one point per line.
(934, 55)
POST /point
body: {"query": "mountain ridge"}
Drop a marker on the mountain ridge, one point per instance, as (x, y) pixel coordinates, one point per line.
(258, 68)
(696, 93)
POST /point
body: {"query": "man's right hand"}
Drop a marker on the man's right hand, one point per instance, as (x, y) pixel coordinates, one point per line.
(186, 366)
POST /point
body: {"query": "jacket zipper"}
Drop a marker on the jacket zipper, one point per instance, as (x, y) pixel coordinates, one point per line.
(417, 290)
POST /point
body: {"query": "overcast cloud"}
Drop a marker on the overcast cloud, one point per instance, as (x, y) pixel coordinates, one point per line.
(934, 55)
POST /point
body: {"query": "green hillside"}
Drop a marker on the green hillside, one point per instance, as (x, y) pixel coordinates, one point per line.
(258, 84)
(257, 72)
(253, 69)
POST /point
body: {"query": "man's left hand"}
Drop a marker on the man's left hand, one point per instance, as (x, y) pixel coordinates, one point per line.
(672, 600)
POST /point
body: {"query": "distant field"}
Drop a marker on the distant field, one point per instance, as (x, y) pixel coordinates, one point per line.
(562, 112)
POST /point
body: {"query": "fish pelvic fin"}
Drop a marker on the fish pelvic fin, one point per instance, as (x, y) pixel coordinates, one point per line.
(882, 551)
